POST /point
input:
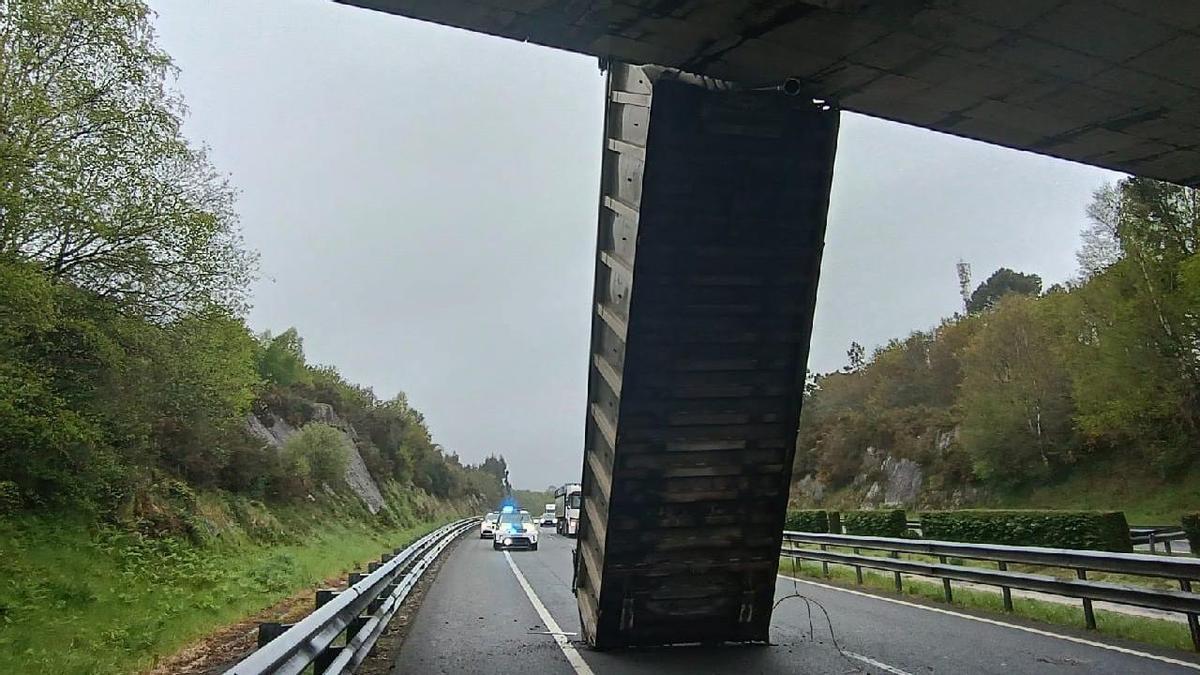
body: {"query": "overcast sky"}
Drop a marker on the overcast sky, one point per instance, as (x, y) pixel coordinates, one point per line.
(424, 202)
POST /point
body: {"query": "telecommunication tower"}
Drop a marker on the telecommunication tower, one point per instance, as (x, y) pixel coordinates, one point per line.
(964, 282)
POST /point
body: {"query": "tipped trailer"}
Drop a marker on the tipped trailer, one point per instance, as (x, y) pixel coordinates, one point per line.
(711, 224)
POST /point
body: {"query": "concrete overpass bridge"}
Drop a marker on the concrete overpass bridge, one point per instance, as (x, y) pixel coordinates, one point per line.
(712, 212)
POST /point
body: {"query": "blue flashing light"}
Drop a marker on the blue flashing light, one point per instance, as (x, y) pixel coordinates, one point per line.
(506, 509)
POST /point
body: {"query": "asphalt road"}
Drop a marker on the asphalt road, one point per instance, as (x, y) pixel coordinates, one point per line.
(478, 618)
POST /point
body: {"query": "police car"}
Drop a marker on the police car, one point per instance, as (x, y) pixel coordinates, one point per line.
(515, 529)
(488, 526)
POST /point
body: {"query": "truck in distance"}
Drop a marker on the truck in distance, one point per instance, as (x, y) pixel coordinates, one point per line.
(567, 501)
(548, 517)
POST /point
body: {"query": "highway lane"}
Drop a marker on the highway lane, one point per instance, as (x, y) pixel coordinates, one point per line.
(477, 618)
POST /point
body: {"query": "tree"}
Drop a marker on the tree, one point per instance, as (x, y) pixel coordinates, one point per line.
(1101, 247)
(1017, 410)
(494, 465)
(857, 357)
(1002, 282)
(1135, 361)
(97, 183)
(281, 358)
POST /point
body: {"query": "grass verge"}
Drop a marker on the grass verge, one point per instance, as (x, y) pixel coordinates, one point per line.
(79, 599)
(1150, 631)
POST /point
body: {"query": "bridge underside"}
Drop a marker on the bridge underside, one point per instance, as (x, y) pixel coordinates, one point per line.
(1114, 83)
(712, 218)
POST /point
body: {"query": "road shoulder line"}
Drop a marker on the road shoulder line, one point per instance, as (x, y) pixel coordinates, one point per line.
(875, 664)
(1069, 638)
(581, 667)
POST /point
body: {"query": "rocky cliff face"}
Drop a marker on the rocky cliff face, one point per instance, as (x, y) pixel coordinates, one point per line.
(886, 480)
(274, 431)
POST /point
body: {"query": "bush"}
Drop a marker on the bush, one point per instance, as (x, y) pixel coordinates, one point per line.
(888, 523)
(318, 454)
(1096, 530)
(807, 520)
(1191, 526)
(10, 497)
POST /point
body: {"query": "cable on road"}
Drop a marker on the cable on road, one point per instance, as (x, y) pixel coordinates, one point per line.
(809, 602)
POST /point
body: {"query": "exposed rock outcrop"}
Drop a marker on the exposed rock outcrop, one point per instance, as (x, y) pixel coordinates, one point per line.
(275, 431)
(903, 479)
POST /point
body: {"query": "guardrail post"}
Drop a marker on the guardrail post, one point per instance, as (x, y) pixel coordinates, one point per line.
(1089, 616)
(946, 583)
(858, 568)
(1193, 619)
(321, 663)
(899, 583)
(824, 564)
(354, 578)
(1005, 590)
(1151, 539)
(323, 596)
(1167, 546)
(269, 630)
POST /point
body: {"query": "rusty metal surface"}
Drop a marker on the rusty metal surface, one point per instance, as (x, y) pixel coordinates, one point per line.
(711, 225)
(1114, 83)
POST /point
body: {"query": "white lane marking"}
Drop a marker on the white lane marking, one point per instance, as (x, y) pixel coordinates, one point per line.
(1069, 638)
(581, 667)
(876, 664)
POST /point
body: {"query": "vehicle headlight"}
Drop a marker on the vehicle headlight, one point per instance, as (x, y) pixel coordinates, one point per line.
(508, 541)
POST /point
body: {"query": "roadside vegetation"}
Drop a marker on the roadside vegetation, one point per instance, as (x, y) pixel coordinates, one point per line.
(534, 501)
(137, 510)
(77, 598)
(1086, 394)
(127, 372)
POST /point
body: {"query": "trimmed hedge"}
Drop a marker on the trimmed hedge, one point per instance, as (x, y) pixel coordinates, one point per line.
(1191, 526)
(889, 523)
(1095, 530)
(807, 520)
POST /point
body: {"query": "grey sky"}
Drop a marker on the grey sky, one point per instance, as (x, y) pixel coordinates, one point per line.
(424, 201)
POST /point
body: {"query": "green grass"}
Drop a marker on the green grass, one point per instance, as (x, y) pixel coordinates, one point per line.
(1115, 485)
(1150, 631)
(77, 599)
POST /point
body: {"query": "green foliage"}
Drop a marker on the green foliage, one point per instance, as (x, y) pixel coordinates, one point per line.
(1016, 405)
(281, 359)
(533, 501)
(1191, 525)
(1003, 282)
(10, 497)
(94, 402)
(1036, 387)
(318, 454)
(1096, 530)
(98, 186)
(807, 520)
(121, 600)
(884, 523)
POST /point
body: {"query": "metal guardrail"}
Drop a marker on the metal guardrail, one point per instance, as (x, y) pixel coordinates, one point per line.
(1184, 570)
(360, 612)
(1154, 535)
